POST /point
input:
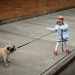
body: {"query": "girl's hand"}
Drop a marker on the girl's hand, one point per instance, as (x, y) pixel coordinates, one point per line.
(48, 28)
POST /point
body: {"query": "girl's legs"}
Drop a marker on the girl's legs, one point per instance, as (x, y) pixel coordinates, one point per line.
(57, 45)
(66, 46)
(56, 49)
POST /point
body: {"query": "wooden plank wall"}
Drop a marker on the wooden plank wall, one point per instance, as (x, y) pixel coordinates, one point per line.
(15, 8)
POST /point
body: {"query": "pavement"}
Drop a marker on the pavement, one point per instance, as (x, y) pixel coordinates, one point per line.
(34, 55)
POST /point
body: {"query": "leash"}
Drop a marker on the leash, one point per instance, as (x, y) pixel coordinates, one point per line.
(32, 41)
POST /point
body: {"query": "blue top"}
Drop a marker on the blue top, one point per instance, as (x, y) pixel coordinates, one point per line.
(58, 29)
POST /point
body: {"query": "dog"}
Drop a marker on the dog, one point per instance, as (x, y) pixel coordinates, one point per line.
(5, 52)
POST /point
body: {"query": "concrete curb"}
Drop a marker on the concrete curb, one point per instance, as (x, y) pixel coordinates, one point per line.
(54, 68)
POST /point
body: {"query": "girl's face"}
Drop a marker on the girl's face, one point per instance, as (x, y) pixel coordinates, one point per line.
(59, 23)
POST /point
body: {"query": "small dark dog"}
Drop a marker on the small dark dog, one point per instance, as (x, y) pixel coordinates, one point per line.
(5, 52)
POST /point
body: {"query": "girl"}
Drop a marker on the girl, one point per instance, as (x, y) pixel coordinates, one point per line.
(61, 29)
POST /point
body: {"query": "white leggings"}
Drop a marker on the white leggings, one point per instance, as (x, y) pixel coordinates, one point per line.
(65, 44)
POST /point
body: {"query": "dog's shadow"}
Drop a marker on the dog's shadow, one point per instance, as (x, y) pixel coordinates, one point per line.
(2, 63)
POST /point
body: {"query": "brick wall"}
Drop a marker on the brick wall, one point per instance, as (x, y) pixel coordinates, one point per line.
(15, 8)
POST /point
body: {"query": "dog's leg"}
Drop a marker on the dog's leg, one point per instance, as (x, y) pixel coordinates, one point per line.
(8, 59)
(5, 60)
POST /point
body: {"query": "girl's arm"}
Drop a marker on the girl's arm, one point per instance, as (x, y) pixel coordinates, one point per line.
(53, 29)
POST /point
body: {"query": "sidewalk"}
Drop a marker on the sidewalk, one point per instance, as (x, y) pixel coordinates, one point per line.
(36, 57)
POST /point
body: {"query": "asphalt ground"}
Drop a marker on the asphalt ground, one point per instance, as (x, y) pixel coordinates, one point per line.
(34, 55)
